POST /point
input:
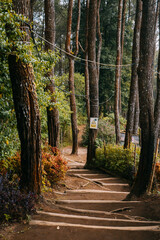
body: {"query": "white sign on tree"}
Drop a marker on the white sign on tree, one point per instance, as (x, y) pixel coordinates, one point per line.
(93, 123)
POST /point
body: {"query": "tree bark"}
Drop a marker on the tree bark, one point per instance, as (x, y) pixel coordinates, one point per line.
(133, 97)
(52, 112)
(61, 59)
(145, 71)
(157, 104)
(28, 123)
(122, 46)
(136, 115)
(93, 79)
(49, 24)
(123, 28)
(99, 39)
(156, 112)
(32, 2)
(86, 63)
(71, 73)
(118, 73)
(73, 108)
(27, 112)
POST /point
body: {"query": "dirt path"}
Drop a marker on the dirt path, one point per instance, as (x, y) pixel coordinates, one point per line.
(89, 206)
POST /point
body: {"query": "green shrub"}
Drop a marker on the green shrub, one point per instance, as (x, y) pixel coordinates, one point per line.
(110, 118)
(11, 166)
(116, 160)
(106, 133)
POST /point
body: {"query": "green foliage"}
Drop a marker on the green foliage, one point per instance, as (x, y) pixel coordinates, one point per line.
(110, 119)
(64, 104)
(79, 92)
(106, 131)
(11, 166)
(9, 25)
(11, 38)
(117, 160)
(9, 142)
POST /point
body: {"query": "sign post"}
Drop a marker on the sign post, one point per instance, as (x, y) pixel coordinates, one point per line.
(94, 123)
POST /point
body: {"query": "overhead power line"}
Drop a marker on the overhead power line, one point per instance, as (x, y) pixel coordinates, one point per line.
(63, 90)
(78, 58)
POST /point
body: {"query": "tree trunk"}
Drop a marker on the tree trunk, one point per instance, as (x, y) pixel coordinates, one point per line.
(71, 73)
(134, 78)
(27, 112)
(52, 112)
(122, 46)
(156, 114)
(32, 2)
(136, 116)
(118, 73)
(157, 104)
(73, 108)
(99, 39)
(93, 79)
(28, 123)
(123, 28)
(145, 73)
(86, 63)
(53, 120)
(60, 60)
(87, 86)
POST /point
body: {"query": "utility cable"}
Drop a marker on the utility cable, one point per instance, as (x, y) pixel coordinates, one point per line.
(63, 90)
(78, 58)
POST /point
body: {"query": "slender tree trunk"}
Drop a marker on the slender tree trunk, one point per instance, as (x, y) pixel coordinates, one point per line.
(136, 115)
(145, 71)
(93, 79)
(77, 28)
(52, 112)
(32, 2)
(27, 112)
(118, 73)
(99, 39)
(60, 60)
(71, 73)
(73, 108)
(133, 98)
(123, 28)
(87, 86)
(122, 46)
(86, 63)
(43, 31)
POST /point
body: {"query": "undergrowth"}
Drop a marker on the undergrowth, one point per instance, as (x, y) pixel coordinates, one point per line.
(54, 167)
(13, 203)
(117, 160)
(17, 205)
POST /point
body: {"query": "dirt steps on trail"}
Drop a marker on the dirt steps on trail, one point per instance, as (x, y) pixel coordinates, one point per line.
(93, 207)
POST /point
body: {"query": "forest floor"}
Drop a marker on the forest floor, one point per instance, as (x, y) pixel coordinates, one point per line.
(89, 205)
